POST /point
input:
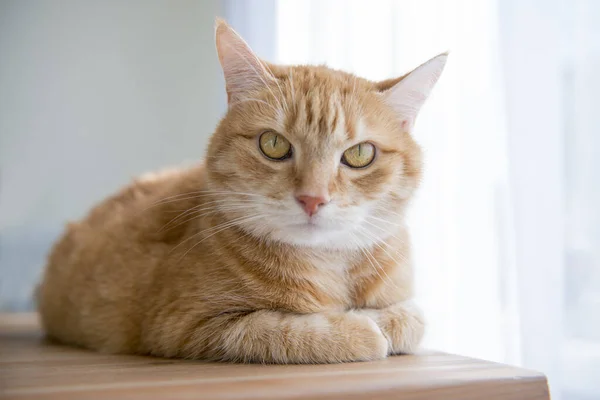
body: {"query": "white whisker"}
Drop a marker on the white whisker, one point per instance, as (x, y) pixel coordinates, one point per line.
(377, 242)
(204, 193)
(208, 204)
(387, 222)
(207, 211)
(370, 256)
(383, 230)
(224, 224)
(229, 225)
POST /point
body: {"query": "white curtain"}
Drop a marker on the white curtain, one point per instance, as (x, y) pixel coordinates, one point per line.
(551, 55)
(506, 226)
(460, 219)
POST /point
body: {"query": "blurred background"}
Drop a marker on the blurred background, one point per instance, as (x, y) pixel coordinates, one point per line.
(506, 225)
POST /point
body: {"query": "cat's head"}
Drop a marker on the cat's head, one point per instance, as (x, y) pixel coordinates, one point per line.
(310, 156)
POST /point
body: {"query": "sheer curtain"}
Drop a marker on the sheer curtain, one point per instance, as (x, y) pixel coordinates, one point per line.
(583, 197)
(506, 226)
(551, 55)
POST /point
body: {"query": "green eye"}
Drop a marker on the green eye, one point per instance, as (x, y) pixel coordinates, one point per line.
(275, 146)
(359, 156)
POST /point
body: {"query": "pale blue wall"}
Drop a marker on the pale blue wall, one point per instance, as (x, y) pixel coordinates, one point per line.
(93, 93)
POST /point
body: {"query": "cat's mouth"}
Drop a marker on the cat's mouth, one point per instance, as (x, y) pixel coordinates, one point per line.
(310, 224)
(314, 226)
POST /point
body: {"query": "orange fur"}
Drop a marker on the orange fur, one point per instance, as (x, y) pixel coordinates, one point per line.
(201, 262)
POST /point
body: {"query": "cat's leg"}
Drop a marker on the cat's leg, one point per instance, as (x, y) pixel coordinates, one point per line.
(402, 324)
(270, 336)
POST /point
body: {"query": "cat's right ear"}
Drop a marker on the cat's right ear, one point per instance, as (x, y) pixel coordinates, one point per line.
(244, 72)
(407, 94)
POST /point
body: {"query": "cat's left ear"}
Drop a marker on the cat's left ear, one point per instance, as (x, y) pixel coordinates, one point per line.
(244, 72)
(407, 94)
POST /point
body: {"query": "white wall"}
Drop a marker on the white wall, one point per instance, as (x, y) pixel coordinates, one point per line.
(93, 93)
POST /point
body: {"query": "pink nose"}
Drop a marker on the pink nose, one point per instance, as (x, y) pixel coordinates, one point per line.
(311, 204)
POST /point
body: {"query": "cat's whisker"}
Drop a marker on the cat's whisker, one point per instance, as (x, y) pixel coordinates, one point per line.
(207, 206)
(378, 243)
(185, 212)
(391, 234)
(195, 192)
(209, 210)
(171, 199)
(234, 192)
(382, 269)
(208, 192)
(387, 222)
(226, 223)
(369, 256)
(177, 196)
(229, 225)
(364, 251)
(388, 211)
(185, 221)
(204, 193)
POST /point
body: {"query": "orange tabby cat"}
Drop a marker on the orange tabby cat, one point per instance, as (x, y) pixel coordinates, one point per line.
(287, 246)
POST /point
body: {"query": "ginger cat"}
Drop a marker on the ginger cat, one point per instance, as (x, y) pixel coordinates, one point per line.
(288, 245)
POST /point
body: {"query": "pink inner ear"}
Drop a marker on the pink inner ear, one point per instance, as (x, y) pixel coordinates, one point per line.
(409, 94)
(242, 69)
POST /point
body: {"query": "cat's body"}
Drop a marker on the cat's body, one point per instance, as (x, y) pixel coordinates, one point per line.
(252, 258)
(115, 283)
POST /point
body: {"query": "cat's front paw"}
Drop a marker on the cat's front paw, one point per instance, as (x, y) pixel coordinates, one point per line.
(402, 324)
(357, 338)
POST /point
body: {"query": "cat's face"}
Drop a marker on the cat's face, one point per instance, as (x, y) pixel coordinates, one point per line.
(311, 156)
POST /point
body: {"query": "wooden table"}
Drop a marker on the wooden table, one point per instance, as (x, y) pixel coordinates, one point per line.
(31, 368)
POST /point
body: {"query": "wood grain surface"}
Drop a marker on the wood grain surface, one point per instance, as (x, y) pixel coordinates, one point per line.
(31, 368)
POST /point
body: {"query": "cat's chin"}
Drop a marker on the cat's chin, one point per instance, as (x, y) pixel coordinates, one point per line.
(315, 236)
(312, 233)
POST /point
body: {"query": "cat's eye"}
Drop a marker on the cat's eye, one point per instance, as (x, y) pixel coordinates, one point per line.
(359, 156)
(274, 146)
